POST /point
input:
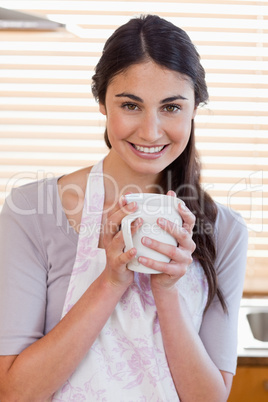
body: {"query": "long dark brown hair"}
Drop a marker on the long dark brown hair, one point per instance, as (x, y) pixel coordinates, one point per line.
(153, 38)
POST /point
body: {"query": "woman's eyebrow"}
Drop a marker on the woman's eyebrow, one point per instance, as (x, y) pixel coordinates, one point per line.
(131, 96)
(138, 99)
(173, 98)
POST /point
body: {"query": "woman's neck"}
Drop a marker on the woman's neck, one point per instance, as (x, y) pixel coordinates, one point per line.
(119, 179)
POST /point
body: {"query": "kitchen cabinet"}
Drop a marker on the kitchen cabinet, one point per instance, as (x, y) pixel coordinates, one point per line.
(250, 384)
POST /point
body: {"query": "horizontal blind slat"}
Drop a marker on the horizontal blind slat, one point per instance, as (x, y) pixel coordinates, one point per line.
(56, 14)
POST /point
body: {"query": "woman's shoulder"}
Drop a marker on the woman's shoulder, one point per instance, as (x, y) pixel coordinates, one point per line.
(30, 197)
(36, 196)
(228, 219)
(71, 189)
(74, 184)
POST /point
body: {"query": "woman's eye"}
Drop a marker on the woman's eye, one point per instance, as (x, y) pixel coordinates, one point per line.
(172, 108)
(129, 106)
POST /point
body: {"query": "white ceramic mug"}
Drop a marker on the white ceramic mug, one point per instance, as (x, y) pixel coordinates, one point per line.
(150, 208)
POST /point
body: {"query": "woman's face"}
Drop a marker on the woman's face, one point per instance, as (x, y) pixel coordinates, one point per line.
(149, 110)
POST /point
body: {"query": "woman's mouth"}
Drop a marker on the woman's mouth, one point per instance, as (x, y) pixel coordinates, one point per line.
(148, 152)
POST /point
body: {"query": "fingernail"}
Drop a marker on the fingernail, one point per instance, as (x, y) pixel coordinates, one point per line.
(142, 260)
(146, 241)
(133, 251)
(122, 200)
(137, 222)
(161, 221)
(131, 206)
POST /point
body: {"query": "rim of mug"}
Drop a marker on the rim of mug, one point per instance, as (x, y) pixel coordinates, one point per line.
(151, 203)
(154, 196)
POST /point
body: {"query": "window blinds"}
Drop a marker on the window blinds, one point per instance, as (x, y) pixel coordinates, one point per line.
(49, 121)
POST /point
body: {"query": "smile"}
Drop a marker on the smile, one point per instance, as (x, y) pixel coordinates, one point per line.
(148, 150)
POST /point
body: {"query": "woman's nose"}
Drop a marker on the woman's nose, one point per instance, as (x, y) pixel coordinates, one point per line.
(150, 129)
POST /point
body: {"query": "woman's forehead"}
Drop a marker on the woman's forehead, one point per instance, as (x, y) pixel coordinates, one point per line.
(150, 73)
(149, 76)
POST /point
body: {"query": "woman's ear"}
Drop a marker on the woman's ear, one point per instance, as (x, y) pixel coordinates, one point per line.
(102, 109)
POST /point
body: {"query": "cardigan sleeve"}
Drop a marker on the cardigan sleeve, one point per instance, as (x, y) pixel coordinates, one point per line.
(218, 331)
(23, 276)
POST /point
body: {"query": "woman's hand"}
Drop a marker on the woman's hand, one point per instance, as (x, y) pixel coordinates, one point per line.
(116, 271)
(180, 256)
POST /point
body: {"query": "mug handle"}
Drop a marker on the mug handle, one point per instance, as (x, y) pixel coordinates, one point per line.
(126, 230)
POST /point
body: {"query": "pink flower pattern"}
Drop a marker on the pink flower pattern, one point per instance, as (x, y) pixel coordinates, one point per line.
(127, 362)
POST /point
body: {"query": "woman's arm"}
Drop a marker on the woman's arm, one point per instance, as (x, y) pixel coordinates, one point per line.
(42, 368)
(195, 375)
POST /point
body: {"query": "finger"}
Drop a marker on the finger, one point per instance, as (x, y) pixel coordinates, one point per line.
(125, 207)
(113, 221)
(186, 247)
(171, 269)
(172, 193)
(182, 235)
(125, 258)
(169, 250)
(121, 205)
(186, 214)
(136, 225)
(118, 246)
(187, 217)
(118, 241)
(122, 201)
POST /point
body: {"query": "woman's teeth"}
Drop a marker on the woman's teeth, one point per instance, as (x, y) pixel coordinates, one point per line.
(151, 150)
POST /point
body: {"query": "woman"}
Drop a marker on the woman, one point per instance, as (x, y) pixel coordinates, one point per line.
(124, 336)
